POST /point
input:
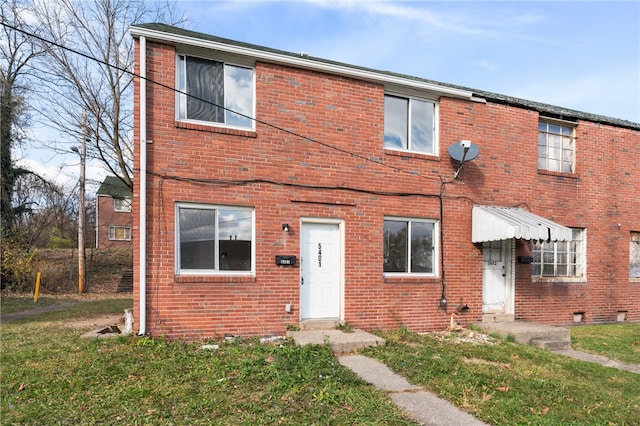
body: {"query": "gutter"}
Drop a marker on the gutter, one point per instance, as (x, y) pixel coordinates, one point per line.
(301, 61)
(142, 258)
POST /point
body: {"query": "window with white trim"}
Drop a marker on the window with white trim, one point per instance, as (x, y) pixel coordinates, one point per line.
(409, 246)
(560, 258)
(556, 146)
(634, 255)
(410, 124)
(212, 239)
(119, 233)
(122, 204)
(214, 92)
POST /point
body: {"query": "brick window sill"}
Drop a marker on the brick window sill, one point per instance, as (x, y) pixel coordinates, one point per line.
(411, 280)
(410, 154)
(558, 280)
(558, 174)
(215, 129)
(206, 279)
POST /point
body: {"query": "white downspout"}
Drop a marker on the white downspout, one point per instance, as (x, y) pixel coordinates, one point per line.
(142, 259)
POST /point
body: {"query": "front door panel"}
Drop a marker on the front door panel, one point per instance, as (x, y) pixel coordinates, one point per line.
(495, 280)
(320, 269)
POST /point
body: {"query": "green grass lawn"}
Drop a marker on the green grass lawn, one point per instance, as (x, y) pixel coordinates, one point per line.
(505, 383)
(616, 341)
(50, 374)
(9, 305)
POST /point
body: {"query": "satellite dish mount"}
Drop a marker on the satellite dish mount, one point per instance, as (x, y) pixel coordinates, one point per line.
(463, 151)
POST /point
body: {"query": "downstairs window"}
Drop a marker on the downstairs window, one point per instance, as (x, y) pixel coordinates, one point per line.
(214, 239)
(409, 246)
(565, 259)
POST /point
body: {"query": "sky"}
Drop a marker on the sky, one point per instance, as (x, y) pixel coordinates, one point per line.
(582, 55)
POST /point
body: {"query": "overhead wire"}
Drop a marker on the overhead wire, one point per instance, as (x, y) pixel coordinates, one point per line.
(439, 195)
(173, 89)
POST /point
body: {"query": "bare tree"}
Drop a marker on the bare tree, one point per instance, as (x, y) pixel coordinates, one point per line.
(16, 53)
(49, 211)
(103, 88)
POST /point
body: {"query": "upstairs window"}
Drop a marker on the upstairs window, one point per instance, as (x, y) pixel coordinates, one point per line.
(560, 258)
(556, 146)
(215, 92)
(409, 246)
(212, 239)
(122, 204)
(409, 124)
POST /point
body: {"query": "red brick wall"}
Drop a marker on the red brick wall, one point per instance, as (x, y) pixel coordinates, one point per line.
(185, 164)
(108, 216)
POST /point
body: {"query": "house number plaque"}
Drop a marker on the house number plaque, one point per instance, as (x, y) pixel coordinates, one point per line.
(319, 255)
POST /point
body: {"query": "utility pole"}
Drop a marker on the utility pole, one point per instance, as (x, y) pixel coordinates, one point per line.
(81, 208)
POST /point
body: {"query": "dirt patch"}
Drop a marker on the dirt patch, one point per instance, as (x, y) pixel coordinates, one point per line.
(96, 322)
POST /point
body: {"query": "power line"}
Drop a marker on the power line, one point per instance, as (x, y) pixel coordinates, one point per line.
(173, 89)
(243, 182)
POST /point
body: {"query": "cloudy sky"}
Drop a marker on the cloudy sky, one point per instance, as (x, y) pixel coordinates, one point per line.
(583, 55)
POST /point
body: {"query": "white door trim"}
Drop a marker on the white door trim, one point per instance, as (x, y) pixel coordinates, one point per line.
(341, 231)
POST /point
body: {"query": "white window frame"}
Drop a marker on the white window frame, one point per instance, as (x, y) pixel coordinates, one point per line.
(122, 204)
(580, 240)
(216, 270)
(434, 248)
(111, 233)
(634, 250)
(435, 130)
(181, 96)
(546, 161)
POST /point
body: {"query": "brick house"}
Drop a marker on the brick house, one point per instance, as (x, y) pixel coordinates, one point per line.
(114, 218)
(344, 199)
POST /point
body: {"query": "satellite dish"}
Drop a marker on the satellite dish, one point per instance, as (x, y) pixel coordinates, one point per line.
(463, 151)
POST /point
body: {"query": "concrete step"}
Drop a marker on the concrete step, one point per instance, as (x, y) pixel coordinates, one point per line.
(126, 282)
(341, 342)
(319, 324)
(498, 318)
(526, 332)
(551, 345)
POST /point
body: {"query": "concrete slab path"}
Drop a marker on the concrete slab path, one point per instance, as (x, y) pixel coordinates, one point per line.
(422, 406)
(599, 359)
(341, 342)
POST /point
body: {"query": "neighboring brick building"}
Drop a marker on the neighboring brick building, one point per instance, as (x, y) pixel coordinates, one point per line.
(114, 217)
(339, 201)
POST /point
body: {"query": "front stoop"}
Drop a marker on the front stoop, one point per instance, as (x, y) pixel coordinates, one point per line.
(319, 324)
(341, 342)
(539, 335)
(498, 317)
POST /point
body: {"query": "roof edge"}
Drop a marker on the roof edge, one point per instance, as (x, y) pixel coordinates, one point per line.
(179, 36)
(167, 33)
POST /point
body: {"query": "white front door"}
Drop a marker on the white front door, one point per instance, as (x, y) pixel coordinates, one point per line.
(497, 291)
(320, 271)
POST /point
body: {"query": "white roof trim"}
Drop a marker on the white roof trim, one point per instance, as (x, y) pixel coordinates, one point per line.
(503, 223)
(300, 62)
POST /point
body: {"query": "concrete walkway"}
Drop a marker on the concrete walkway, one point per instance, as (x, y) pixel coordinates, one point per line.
(422, 406)
(599, 359)
(4, 318)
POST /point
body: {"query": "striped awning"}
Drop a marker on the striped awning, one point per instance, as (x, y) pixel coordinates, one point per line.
(491, 223)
